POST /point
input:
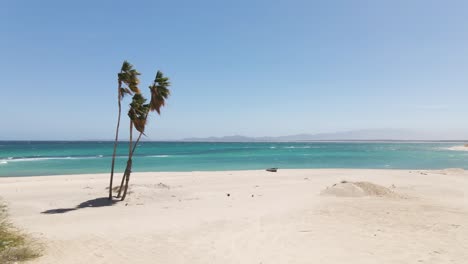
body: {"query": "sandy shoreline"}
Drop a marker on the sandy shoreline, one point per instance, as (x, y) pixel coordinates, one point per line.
(187, 217)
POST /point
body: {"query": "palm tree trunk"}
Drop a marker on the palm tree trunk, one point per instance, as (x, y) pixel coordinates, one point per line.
(122, 181)
(129, 167)
(124, 176)
(129, 160)
(115, 148)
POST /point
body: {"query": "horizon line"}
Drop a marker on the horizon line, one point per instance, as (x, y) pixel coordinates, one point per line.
(240, 141)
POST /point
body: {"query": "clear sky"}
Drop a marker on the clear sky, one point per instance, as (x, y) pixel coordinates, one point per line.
(237, 67)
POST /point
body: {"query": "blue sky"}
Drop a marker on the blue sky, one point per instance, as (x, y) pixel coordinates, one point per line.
(238, 67)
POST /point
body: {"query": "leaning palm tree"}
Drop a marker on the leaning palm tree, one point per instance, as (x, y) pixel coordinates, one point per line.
(138, 114)
(127, 84)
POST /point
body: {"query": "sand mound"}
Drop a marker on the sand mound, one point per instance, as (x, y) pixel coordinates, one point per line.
(358, 189)
(451, 171)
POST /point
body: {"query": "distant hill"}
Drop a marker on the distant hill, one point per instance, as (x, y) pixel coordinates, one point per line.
(355, 135)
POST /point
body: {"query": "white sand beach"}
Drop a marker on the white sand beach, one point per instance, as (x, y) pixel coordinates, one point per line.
(248, 217)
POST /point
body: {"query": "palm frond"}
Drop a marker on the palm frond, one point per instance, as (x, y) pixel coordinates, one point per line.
(159, 92)
(123, 92)
(129, 76)
(126, 66)
(138, 112)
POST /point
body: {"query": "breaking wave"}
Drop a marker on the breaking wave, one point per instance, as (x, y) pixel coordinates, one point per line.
(11, 159)
(158, 156)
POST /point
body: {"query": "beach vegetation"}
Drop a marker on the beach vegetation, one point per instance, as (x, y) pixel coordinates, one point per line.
(15, 246)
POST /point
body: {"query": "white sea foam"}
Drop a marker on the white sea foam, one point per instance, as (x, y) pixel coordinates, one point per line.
(299, 147)
(3, 162)
(158, 156)
(10, 159)
(458, 148)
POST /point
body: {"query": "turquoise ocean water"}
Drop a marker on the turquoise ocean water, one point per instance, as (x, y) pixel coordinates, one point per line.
(51, 158)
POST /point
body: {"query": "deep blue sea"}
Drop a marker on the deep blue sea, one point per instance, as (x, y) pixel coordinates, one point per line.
(50, 158)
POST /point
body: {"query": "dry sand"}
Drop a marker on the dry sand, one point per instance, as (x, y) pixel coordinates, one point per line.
(285, 217)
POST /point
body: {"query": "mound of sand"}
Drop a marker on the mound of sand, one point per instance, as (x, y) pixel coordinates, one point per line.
(451, 171)
(358, 189)
(454, 171)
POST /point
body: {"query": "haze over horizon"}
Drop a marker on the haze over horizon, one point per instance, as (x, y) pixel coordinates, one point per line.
(251, 68)
(374, 134)
(354, 135)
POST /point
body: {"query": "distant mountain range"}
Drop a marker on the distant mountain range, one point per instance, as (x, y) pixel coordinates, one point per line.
(355, 135)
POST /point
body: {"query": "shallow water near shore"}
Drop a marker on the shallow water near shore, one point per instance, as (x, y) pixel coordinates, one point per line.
(28, 158)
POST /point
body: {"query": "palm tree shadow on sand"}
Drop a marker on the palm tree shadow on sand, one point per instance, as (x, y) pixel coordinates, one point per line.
(98, 202)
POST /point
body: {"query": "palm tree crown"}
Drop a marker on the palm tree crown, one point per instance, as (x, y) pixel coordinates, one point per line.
(128, 76)
(159, 92)
(138, 112)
